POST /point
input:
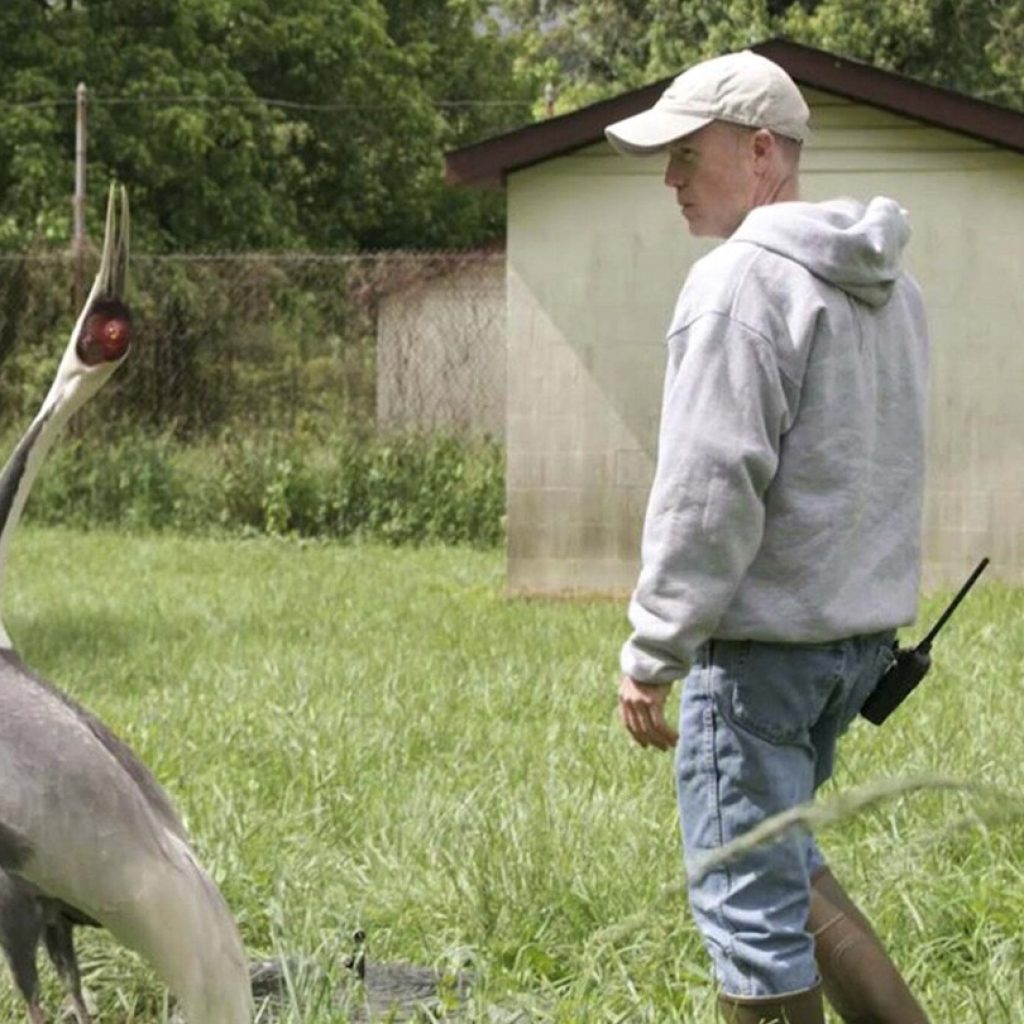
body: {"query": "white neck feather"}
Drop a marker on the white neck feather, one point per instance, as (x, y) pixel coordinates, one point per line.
(72, 387)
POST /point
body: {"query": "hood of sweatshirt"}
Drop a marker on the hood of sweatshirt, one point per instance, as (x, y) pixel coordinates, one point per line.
(855, 247)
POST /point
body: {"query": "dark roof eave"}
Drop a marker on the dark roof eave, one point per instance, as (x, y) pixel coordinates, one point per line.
(488, 163)
(887, 90)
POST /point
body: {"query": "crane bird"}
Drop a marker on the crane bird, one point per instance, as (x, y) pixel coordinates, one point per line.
(87, 835)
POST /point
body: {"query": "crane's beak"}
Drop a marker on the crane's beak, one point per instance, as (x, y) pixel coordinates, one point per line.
(105, 328)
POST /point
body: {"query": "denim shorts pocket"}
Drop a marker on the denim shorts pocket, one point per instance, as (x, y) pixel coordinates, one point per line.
(886, 657)
(876, 664)
(777, 691)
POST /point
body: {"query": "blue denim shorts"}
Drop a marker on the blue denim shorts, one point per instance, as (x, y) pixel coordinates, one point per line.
(758, 729)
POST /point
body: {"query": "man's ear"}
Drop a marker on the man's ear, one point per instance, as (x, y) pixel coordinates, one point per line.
(763, 145)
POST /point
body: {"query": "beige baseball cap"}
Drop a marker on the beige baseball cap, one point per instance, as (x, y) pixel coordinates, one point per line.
(742, 88)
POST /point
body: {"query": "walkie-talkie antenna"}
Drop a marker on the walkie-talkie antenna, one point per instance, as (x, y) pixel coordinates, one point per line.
(925, 645)
(910, 664)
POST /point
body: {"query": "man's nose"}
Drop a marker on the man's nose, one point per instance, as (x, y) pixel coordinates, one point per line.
(673, 175)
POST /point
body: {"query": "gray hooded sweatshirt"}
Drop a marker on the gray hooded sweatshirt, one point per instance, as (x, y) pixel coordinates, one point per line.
(787, 500)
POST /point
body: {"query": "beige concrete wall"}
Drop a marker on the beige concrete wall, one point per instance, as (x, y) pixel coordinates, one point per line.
(441, 351)
(596, 253)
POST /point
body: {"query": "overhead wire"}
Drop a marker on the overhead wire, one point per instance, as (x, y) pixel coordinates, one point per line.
(200, 100)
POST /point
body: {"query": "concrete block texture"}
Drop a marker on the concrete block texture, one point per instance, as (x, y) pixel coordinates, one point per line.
(441, 349)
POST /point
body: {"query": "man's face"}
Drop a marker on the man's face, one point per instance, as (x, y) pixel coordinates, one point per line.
(712, 174)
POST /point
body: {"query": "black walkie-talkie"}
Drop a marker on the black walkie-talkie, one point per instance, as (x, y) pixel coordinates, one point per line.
(911, 664)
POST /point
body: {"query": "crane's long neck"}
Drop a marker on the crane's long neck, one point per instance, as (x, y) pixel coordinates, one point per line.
(22, 467)
(98, 344)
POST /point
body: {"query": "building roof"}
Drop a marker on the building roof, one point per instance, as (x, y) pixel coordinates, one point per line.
(489, 162)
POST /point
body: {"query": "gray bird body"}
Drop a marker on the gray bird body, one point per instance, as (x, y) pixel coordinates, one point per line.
(63, 757)
(90, 785)
(87, 835)
(88, 827)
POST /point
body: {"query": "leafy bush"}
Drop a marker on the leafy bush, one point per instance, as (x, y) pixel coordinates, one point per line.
(402, 490)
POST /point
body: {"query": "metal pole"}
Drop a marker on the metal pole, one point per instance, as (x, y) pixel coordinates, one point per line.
(78, 202)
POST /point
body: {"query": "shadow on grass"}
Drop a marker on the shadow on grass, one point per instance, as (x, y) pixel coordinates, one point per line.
(59, 643)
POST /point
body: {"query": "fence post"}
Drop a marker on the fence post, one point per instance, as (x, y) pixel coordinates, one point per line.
(78, 241)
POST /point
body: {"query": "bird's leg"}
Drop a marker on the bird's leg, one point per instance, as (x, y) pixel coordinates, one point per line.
(21, 923)
(60, 945)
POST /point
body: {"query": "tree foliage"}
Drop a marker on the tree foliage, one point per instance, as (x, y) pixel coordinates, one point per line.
(264, 124)
(959, 44)
(596, 48)
(348, 154)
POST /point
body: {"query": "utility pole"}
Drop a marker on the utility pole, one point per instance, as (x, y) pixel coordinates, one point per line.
(549, 99)
(78, 242)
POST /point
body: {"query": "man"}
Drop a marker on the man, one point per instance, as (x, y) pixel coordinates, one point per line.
(781, 545)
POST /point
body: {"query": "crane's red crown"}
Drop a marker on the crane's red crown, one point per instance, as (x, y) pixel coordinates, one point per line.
(106, 334)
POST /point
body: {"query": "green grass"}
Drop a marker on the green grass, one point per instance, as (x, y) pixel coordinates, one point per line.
(364, 736)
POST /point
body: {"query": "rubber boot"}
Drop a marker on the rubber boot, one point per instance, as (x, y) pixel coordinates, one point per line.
(860, 981)
(797, 1008)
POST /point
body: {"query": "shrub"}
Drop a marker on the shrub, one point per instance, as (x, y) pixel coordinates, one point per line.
(403, 489)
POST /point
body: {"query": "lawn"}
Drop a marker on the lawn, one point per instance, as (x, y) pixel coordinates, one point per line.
(376, 738)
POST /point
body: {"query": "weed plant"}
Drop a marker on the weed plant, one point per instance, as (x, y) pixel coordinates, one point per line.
(399, 490)
(368, 736)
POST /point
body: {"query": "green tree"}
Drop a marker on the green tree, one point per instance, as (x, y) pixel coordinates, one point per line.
(382, 74)
(31, 165)
(1004, 51)
(596, 48)
(200, 171)
(468, 69)
(959, 44)
(254, 123)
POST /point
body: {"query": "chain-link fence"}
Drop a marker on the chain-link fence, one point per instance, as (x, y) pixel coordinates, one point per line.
(276, 342)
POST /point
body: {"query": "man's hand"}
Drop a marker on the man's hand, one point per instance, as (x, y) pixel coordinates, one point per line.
(642, 709)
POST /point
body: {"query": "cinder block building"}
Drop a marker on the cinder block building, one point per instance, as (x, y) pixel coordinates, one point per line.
(441, 347)
(596, 253)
